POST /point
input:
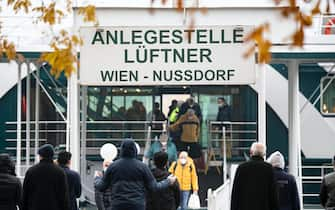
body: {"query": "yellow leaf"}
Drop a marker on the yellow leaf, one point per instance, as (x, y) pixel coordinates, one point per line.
(316, 10)
(88, 12)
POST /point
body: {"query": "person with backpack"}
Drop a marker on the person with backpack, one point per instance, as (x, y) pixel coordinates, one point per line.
(185, 171)
(167, 199)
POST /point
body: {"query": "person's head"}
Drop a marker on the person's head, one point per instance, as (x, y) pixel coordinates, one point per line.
(46, 152)
(183, 155)
(6, 164)
(221, 101)
(257, 150)
(190, 101)
(134, 103)
(156, 106)
(277, 160)
(190, 112)
(160, 159)
(128, 149)
(64, 158)
(174, 102)
(163, 138)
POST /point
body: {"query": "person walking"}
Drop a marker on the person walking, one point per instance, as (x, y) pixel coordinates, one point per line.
(156, 116)
(254, 183)
(45, 184)
(327, 190)
(167, 199)
(103, 199)
(189, 126)
(185, 171)
(129, 180)
(73, 178)
(10, 185)
(164, 144)
(286, 184)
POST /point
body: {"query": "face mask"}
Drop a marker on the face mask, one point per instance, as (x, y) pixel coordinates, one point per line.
(183, 161)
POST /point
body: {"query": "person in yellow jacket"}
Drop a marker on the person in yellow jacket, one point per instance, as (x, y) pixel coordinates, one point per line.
(186, 173)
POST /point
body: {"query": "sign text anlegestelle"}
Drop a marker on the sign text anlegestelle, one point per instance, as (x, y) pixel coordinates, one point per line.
(207, 55)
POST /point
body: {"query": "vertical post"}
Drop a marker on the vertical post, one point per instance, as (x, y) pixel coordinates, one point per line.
(224, 154)
(18, 129)
(37, 114)
(28, 116)
(68, 116)
(74, 121)
(83, 129)
(262, 104)
(294, 121)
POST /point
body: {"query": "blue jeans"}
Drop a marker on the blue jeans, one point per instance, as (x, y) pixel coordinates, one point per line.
(184, 196)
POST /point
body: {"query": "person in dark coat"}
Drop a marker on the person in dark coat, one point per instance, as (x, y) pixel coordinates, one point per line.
(10, 185)
(327, 191)
(254, 185)
(224, 113)
(168, 199)
(129, 179)
(45, 184)
(155, 116)
(190, 104)
(286, 184)
(73, 178)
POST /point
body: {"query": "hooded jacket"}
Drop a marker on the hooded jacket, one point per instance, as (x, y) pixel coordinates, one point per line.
(129, 180)
(168, 199)
(10, 191)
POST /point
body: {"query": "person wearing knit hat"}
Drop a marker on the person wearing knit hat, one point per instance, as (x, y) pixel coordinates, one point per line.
(46, 151)
(287, 187)
(45, 184)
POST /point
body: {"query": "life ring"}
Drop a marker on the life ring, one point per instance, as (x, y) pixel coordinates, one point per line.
(328, 27)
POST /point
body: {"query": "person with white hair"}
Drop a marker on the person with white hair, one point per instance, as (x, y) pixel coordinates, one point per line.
(287, 187)
(254, 184)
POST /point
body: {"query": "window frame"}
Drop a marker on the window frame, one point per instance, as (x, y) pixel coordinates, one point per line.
(322, 91)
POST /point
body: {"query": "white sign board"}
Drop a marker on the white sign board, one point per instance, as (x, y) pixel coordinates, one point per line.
(206, 55)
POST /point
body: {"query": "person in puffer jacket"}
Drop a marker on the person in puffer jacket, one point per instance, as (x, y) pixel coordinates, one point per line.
(129, 180)
(168, 199)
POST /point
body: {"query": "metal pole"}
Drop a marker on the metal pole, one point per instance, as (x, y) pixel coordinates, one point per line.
(28, 116)
(37, 115)
(74, 122)
(294, 123)
(67, 140)
(18, 132)
(262, 104)
(83, 130)
(224, 154)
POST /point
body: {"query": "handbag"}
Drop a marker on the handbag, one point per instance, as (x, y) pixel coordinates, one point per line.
(194, 202)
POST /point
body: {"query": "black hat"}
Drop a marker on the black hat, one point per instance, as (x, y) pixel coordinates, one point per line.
(46, 151)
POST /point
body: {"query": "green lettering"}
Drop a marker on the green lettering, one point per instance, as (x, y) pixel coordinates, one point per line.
(97, 38)
(201, 33)
(238, 35)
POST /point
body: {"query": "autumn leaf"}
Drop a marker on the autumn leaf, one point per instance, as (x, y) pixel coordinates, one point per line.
(49, 14)
(298, 37)
(89, 13)
(180, 5)
(19, 5)
(7, 49)
(264, 45)
(316, 10)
